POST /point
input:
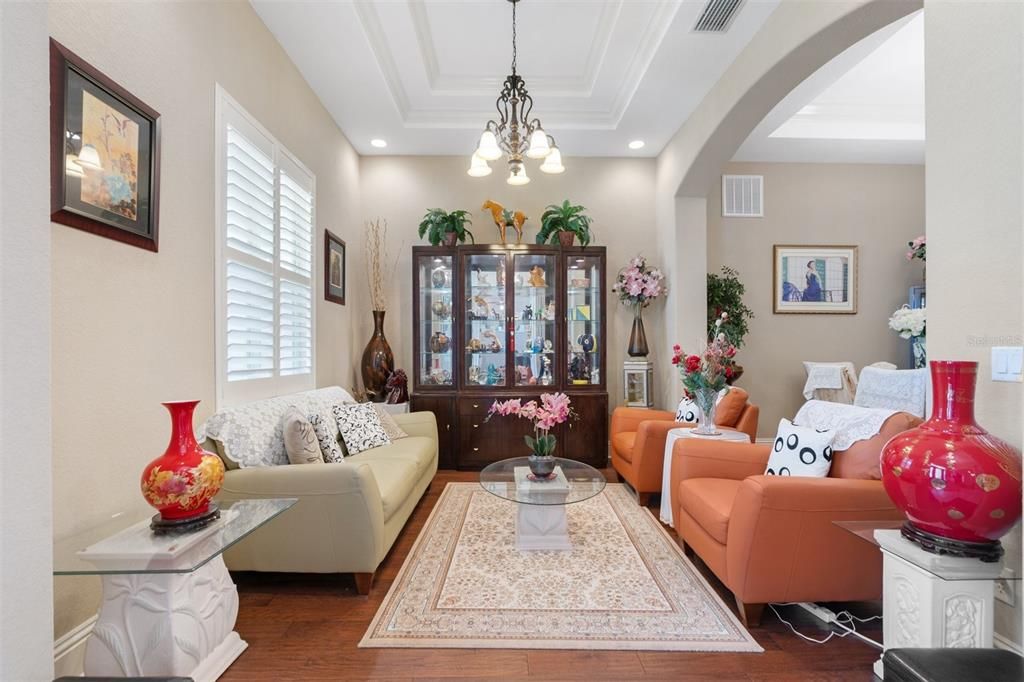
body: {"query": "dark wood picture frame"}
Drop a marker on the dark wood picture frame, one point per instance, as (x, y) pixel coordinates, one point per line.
(332, 240)
(143, 231)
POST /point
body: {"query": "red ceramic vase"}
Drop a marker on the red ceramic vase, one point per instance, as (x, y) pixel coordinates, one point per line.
(959, 486)
(181, 482)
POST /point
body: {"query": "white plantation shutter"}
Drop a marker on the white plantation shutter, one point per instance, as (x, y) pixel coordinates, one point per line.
(266, 212)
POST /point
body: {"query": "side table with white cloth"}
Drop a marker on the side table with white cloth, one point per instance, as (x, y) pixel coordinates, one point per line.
(725, 435)
(169, 605)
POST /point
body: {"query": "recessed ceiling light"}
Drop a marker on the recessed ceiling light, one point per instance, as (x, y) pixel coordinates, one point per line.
(378, 143)
(636, 144)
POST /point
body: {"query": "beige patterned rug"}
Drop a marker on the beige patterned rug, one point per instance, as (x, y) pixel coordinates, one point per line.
(625, 584)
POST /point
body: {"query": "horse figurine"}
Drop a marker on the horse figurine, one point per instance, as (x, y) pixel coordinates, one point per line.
(504, 219)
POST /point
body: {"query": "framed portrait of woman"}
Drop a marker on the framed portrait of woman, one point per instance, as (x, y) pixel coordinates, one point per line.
(814, 279)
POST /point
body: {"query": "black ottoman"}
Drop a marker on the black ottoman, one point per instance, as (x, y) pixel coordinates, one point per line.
(952, 665)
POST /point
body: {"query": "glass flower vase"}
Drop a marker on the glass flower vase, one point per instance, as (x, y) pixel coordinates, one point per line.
(707, 400)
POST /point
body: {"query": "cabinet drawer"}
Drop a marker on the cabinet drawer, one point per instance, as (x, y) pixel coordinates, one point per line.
(475, 406)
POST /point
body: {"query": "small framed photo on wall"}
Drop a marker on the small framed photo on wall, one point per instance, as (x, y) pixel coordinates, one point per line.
(814, 279)
(334, 268)
(104, 154)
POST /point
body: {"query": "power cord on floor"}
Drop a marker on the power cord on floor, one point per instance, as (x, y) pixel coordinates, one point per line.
(844, 620)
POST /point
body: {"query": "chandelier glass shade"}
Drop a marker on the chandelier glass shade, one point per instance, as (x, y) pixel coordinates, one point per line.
(515, 135)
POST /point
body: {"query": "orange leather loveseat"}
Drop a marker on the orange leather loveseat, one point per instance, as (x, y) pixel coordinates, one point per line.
(772, 539)
(638, 438)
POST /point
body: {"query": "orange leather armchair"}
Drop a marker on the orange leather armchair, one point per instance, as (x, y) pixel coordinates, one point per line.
(638, 438)
(772, 538)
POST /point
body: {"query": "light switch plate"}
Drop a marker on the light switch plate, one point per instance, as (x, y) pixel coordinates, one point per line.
(1007, 362)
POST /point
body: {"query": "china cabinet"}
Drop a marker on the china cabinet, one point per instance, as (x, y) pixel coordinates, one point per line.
(492, 322)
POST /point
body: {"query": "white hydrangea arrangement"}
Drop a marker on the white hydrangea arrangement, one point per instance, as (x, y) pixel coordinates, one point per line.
(908, 322)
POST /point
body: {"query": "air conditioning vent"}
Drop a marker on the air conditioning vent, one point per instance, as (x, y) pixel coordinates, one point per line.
(743, 196)
(717, 16)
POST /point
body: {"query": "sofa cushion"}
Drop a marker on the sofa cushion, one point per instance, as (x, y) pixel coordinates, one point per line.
(391, 427)
(731, 406)
(861, 460)
(623, 444)
(253, 435)
(300, 439)
(397, 467)
(331, 449)
(709, 501)
(800, 451)
(360, 427)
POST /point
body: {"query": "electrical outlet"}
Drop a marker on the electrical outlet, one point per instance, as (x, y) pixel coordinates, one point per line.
(1005, 587)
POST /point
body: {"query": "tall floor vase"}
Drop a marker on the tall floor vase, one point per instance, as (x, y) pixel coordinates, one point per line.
(378, 361)
(637, 336)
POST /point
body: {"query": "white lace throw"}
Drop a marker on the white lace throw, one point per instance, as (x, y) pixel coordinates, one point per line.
(850, 423)
(903, 390)
(826, 375)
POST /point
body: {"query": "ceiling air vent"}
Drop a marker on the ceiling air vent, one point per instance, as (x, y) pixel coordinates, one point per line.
(717, 16)
(743, 196)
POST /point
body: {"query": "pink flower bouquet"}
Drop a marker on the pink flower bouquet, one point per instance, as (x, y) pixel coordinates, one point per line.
(918, 249)
(638, 284)
(553, 409)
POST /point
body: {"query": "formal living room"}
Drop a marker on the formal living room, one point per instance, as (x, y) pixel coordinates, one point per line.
(511, 339)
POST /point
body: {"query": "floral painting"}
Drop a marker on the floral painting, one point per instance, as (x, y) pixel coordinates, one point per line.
(114, 185)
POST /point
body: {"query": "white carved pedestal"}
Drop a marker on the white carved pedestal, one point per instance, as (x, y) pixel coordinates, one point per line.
(542, 524)
(934, 601)
(166, 624)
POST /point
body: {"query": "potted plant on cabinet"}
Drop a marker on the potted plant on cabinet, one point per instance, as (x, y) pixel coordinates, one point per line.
(439, 226)
(725, 295)
(564, 222)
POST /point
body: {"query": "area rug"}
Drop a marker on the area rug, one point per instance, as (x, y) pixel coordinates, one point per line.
(625, 585)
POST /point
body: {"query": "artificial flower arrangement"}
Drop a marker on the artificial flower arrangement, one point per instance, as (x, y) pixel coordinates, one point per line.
(638, 284)
(908, 322)
(553, 409)
(706, 373)
(918, 249)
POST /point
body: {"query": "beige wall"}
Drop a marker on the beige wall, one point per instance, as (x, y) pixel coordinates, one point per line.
(975, 176)
(878, 208)
(132, 328)
(618, 193)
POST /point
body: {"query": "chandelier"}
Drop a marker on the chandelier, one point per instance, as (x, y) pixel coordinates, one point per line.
(514, 134)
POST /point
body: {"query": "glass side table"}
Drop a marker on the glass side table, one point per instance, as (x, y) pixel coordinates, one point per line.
(541, 522)
(169, 605)
(930, 600)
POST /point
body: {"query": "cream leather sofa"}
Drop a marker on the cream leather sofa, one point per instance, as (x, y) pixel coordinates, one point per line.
(348, 514)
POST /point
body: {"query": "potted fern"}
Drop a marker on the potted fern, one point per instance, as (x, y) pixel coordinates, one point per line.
(564, 223)
(439, 227)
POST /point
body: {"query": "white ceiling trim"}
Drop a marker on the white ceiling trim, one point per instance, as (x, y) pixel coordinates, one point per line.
(582, 87)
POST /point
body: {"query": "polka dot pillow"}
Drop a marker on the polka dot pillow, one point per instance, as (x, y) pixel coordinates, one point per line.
(800, 451)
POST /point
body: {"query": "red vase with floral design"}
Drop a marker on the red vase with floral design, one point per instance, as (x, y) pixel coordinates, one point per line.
(182, 482)
(959, 486)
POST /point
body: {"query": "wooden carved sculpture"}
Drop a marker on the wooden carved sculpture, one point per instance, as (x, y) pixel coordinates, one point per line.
(498, 216)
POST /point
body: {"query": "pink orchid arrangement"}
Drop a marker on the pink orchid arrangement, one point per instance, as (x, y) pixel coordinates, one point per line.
(638, 284)
(917, 249)
(553, 409)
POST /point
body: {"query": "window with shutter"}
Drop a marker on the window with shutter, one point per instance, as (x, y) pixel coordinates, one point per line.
(266, 203)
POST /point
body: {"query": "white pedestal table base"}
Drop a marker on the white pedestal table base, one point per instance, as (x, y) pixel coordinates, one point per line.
(542, 527)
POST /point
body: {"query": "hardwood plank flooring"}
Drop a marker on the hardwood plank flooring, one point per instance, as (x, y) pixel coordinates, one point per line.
(306, 627)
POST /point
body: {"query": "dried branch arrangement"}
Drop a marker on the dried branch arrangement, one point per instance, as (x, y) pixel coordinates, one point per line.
(379, 266)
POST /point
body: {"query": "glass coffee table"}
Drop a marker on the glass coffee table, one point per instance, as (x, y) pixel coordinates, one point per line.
(541, 522)
(169, 604)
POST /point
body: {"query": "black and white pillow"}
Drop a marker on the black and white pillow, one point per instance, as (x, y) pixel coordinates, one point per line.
(360, 427)
(325, 436)
(687, 412)
(800, 451)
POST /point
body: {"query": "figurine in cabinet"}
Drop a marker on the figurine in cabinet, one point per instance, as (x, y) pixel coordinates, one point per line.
(490, 341)
(545, 371)
(474, 346)
(549, 311)
(548, 346)
(492, 375)
(537, 277)
(587, 342)
(528, 312)
(440, 278)
(474, 375)
(441, 310)
(479, 310)
(537, 345)
(579, 369)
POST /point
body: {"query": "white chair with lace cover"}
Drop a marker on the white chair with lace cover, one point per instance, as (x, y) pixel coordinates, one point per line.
(903, 390)
(834, 382)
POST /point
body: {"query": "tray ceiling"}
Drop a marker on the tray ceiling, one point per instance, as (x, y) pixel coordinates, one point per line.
(424, 74)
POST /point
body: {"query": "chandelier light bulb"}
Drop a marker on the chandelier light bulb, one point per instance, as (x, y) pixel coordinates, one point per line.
(478, 168)
(553, 162)
(539, 147)
(488, 149)
(517, 173)
(88, 157)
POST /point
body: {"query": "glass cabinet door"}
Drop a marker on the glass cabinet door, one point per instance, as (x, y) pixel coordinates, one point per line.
(534, 305)
(435, 335)
(584, 278)
(485, 320)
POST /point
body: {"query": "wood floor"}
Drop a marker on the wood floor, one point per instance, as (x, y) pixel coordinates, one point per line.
(306, 627)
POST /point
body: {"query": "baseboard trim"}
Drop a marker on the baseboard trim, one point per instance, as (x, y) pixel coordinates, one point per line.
(1002, 642)
(765, 440)
(69, 649)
